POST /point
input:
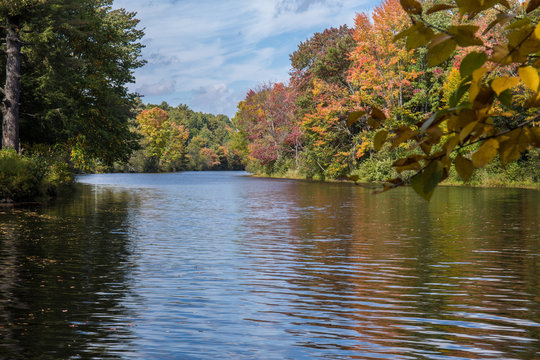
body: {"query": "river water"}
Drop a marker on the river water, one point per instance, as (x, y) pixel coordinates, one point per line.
(218, 265)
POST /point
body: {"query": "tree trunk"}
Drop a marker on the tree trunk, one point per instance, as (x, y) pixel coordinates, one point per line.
(12, 90)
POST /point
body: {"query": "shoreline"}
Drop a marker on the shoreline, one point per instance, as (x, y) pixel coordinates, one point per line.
(449, 183)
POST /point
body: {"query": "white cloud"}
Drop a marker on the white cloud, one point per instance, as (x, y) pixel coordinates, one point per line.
(195, 44)
(162, 87)
(217, 98)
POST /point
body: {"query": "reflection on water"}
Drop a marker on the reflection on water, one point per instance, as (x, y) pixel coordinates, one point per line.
(218, 265)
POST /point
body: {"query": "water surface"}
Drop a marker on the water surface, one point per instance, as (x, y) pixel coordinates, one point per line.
(219, 265)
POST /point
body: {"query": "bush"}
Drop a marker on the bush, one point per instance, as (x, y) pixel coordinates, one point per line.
(20, 177)
(43, 173)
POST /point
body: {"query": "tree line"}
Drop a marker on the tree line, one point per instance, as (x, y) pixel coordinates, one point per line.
(178, 138)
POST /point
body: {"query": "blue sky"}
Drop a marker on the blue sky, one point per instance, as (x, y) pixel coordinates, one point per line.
(209, 53)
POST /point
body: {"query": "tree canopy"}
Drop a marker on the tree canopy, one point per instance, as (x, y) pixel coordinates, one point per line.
(77, 58)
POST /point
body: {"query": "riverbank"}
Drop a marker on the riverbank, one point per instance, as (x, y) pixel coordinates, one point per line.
(483, 182)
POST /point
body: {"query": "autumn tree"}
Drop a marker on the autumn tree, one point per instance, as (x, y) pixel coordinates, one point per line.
(465, 133)
(164, 141)
(330, 148)
(267, 118)
(319, 80)
(381, 69)
(324, 56)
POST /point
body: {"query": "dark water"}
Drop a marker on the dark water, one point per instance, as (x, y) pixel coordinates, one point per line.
(221, 266)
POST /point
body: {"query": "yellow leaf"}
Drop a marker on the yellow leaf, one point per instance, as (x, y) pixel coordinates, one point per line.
(373, 123)
(533, 134)
(516, 142)
(501, 19)
(501, 55)
(529, 76)
(465, 35)
(503, 83)
(466, 131)
(354, 117)
(377, 114)
(477, 76)
(380, 139)
(451, 144)
(426, 148)
(518, 36)
(485, 153)
(421, 36)
(440, 51)
(403, 134)
(519, 23)
(509, 151)
(408, 163)
(464, 167)
(537, 31)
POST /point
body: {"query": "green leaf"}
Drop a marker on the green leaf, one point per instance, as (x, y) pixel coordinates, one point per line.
(380, 139)
(458, 95)
(464, 167)
(506, 98)
(425, 182)
(471, 62)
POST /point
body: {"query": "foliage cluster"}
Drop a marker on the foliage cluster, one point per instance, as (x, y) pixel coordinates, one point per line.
(178, 138)
(433, 85)
(28, 177)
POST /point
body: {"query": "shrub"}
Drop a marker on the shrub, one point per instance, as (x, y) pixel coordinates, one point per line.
(20, 177)
(43, 173)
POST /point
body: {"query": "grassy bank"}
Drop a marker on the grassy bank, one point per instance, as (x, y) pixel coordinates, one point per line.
(524, 173)
(33, 177)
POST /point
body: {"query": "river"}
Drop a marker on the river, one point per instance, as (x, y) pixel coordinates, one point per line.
(218, 265)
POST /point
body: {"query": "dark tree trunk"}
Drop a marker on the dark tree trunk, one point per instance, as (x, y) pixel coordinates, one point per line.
(12, 91)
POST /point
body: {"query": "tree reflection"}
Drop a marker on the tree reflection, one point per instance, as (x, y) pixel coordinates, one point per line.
(392, 276)
(64, 274)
